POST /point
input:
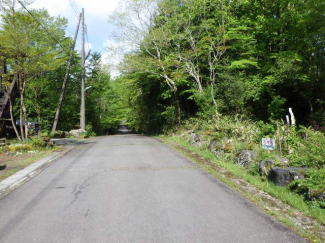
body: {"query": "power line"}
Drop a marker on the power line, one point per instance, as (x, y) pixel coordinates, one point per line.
(56, 41)
(75, 5)
(74, 8)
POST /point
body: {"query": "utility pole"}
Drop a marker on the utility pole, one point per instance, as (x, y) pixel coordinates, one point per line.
(82, 110)
(65, 78)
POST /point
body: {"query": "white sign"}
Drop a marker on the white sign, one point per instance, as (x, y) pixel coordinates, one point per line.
(268, 143)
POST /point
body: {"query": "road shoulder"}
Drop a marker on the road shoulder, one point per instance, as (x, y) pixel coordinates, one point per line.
(303, 225)
(11, 183)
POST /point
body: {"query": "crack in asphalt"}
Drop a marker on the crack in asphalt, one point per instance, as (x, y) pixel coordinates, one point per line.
(87, 213)
(77, 191)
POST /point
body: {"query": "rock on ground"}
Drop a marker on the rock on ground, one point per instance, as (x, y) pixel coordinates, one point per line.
(245, 158)
(265, 167)
(284, 176)
(77, 133)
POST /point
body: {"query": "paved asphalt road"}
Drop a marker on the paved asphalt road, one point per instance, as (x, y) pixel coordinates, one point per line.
(130, 188)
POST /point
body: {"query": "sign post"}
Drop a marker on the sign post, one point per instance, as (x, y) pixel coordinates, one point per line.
(268, 144)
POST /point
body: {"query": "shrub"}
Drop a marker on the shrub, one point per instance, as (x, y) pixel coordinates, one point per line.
(58, 134)
(20, 148)
(312, 187)
(37, 142)
(90, 132)
(309, 150)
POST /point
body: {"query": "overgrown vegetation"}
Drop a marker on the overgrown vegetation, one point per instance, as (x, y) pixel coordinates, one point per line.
(207, 57)
(233, 134)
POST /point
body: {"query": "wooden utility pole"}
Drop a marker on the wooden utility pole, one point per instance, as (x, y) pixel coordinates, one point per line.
(65, 78)
(82, 110)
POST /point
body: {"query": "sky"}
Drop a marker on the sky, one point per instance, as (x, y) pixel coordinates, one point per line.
(96, 19)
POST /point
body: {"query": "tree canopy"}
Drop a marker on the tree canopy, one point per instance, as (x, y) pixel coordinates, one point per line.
(206, 57)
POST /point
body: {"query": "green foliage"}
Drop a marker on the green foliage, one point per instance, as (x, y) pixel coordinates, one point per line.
(19, 148)
(37, 142)
(225, 161)
(312, 188)
(58, 134)
(303, 147)
(89, 129)
(228, 57)
(309, 150)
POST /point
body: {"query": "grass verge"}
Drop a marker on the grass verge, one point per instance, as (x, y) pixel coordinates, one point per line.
(281, 203)
(17, 163)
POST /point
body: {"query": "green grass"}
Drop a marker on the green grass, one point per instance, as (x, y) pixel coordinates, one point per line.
(19, 164)
(296, 202)
(280, 193)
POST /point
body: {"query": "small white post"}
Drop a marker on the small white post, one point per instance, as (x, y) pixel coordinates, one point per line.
(288, 120)
(293, 120)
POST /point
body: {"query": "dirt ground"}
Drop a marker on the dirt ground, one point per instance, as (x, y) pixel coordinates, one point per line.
(11, 163)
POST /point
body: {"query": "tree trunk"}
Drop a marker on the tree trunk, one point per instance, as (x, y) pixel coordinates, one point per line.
(13, 121)
(38, 111)
(213, 99)
(25, 120)
(38, 108)
(177, 107)
(22, 133)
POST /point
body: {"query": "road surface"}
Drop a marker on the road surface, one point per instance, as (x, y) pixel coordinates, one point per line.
(130, 188)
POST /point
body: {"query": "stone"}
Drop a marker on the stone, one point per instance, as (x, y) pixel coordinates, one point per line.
(245, 158)
(265, 166)
(77, 133)
(198, 144)
(282, 161)
(195, 137)
(213, 145)
(317, 194)
(218, 153)
(196, 140)
(284, 176)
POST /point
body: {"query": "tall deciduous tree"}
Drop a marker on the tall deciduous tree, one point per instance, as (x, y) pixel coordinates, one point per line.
(30, 50)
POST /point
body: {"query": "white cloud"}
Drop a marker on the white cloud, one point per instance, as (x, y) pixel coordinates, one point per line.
(96, 17)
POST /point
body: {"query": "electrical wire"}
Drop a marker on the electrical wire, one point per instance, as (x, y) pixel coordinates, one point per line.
(56, 41)
(75, 5)
(74, 8)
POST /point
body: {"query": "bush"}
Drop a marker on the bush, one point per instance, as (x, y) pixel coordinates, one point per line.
(303, 147)
(20, 148)
(312, 188)
(90, 132)
(58, 134)
(309, 150)
(38, 142)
